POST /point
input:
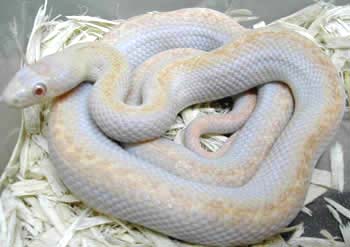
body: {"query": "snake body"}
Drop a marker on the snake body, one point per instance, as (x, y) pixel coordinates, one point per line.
(233, 199)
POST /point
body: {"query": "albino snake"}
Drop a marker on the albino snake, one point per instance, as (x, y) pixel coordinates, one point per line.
(245, 194)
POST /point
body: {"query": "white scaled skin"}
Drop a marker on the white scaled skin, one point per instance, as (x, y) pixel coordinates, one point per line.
(242, 196)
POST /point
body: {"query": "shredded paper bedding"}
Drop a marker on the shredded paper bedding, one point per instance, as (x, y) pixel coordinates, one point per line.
(37, 210)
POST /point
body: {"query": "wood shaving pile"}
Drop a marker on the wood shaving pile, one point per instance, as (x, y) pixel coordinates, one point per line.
(37, 210)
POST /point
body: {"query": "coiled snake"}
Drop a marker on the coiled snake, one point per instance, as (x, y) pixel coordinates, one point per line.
(145, 72)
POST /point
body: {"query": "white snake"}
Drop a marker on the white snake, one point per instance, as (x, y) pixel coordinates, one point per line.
(245, 194)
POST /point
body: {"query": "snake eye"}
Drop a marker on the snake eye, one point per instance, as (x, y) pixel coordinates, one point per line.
(39, 89)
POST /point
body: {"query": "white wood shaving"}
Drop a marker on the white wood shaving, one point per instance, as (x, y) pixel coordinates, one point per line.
(322, 178)
(32, 124)
(29, 187)
(41, 142)
(89, 222)
(315, 242)
(345, 231)
(341, 209)
(24, 157)
(337, 166)
(335, 214)
(50, 210)
(298, 231)
(91, 19)
(307, 211)
(57, 186)
(259, 24)
(327, 235)
(313, 193)
(3, 227)
(37, 210)
(68, 234)
(307, 15)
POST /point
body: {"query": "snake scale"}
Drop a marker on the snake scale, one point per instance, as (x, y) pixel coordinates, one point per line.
(104, 137)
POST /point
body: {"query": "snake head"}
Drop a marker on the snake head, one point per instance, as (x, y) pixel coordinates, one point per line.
(26, 88)
(52, 76)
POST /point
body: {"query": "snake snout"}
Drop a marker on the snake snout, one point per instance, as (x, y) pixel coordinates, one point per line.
(17, 94)
(22, 89)
(11, 97)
